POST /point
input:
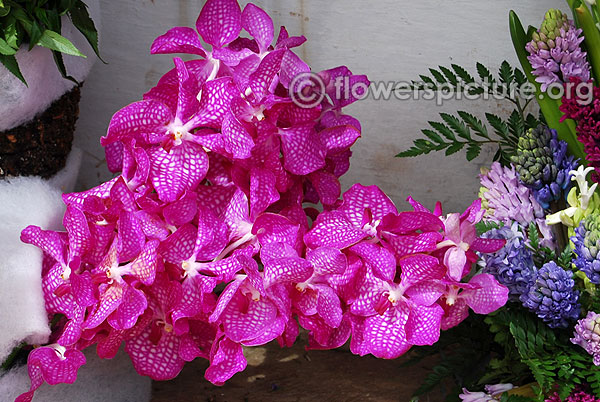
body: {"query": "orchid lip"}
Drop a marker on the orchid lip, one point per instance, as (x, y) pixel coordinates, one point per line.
(452, 295)
(66, 273)
(59, 350)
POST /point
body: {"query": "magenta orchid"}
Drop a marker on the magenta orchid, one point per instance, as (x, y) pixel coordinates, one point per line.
(202, 245)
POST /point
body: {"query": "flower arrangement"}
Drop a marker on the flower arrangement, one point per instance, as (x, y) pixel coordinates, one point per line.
(208, 240)
(539, 196)
(38, 23)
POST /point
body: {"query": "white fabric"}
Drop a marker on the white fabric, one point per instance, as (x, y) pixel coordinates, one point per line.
(27, 201)
(66, 178)
(18, 103)
(97, 381)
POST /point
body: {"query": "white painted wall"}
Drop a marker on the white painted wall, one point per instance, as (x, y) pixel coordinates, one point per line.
(385, 39)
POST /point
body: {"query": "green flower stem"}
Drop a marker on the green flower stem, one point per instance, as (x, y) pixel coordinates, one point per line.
(585, 21)
(548, 106)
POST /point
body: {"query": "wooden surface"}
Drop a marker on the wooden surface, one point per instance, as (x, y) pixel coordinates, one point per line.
(288, 375)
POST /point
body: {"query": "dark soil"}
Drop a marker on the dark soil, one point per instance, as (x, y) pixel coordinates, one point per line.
(41, 147)
(286, 375)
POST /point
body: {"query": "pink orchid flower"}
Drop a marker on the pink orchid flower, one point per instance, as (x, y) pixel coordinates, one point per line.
(460, 238)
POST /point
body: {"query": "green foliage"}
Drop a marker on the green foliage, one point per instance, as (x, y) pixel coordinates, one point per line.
(506, 367)
(17, 355)
(509, 345)
(485, 226)
(554, 361)
(461, 363)
(466, 130)
(542, 255)
(38, 23)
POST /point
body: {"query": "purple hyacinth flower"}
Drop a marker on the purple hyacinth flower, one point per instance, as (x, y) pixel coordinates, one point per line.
(555, 53)
(552, 296)
(587, 335)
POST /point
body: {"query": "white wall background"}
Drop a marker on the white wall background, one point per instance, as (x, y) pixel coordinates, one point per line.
(385, 39)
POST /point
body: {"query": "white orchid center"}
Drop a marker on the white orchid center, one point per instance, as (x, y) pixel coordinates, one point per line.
(370, 228)
(452, 295)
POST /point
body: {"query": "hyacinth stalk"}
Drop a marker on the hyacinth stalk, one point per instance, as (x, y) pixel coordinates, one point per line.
(587, 241)
(555, 52)
(552, 296)
(585, 20)
(548, 106)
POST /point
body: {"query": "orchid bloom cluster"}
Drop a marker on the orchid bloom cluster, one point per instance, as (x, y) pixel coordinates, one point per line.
(201, 246)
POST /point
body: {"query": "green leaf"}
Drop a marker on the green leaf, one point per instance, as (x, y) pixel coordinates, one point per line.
(4, 9)
(54, 23)
(67, 5)
(35, 34)
(412, 151)
(520, 77)
(423, 144)
(442, 129)
(498, 125)
(82, 21)
(533, 235)
(41, 16)
(506, 73)
(454, 148)
(485, 226)
(428, 81)
(516, 126)
(58, 60)
(457, 126)
(438, 76)
(531, 121)
(449, 75)
(485, 75)
(463, 74)
(475, 124)
(473, 151)
(10, 33)
(54, 41)
(10, 62)
(6, 49)
(433, 136)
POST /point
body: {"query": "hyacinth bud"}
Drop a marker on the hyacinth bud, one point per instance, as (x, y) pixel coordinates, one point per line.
(534, 161)
(587, 335)
(587, 245)
(554, 21)
(543, 164)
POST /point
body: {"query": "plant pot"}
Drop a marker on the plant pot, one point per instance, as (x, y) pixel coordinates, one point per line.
(37, 120)
(41, 146)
